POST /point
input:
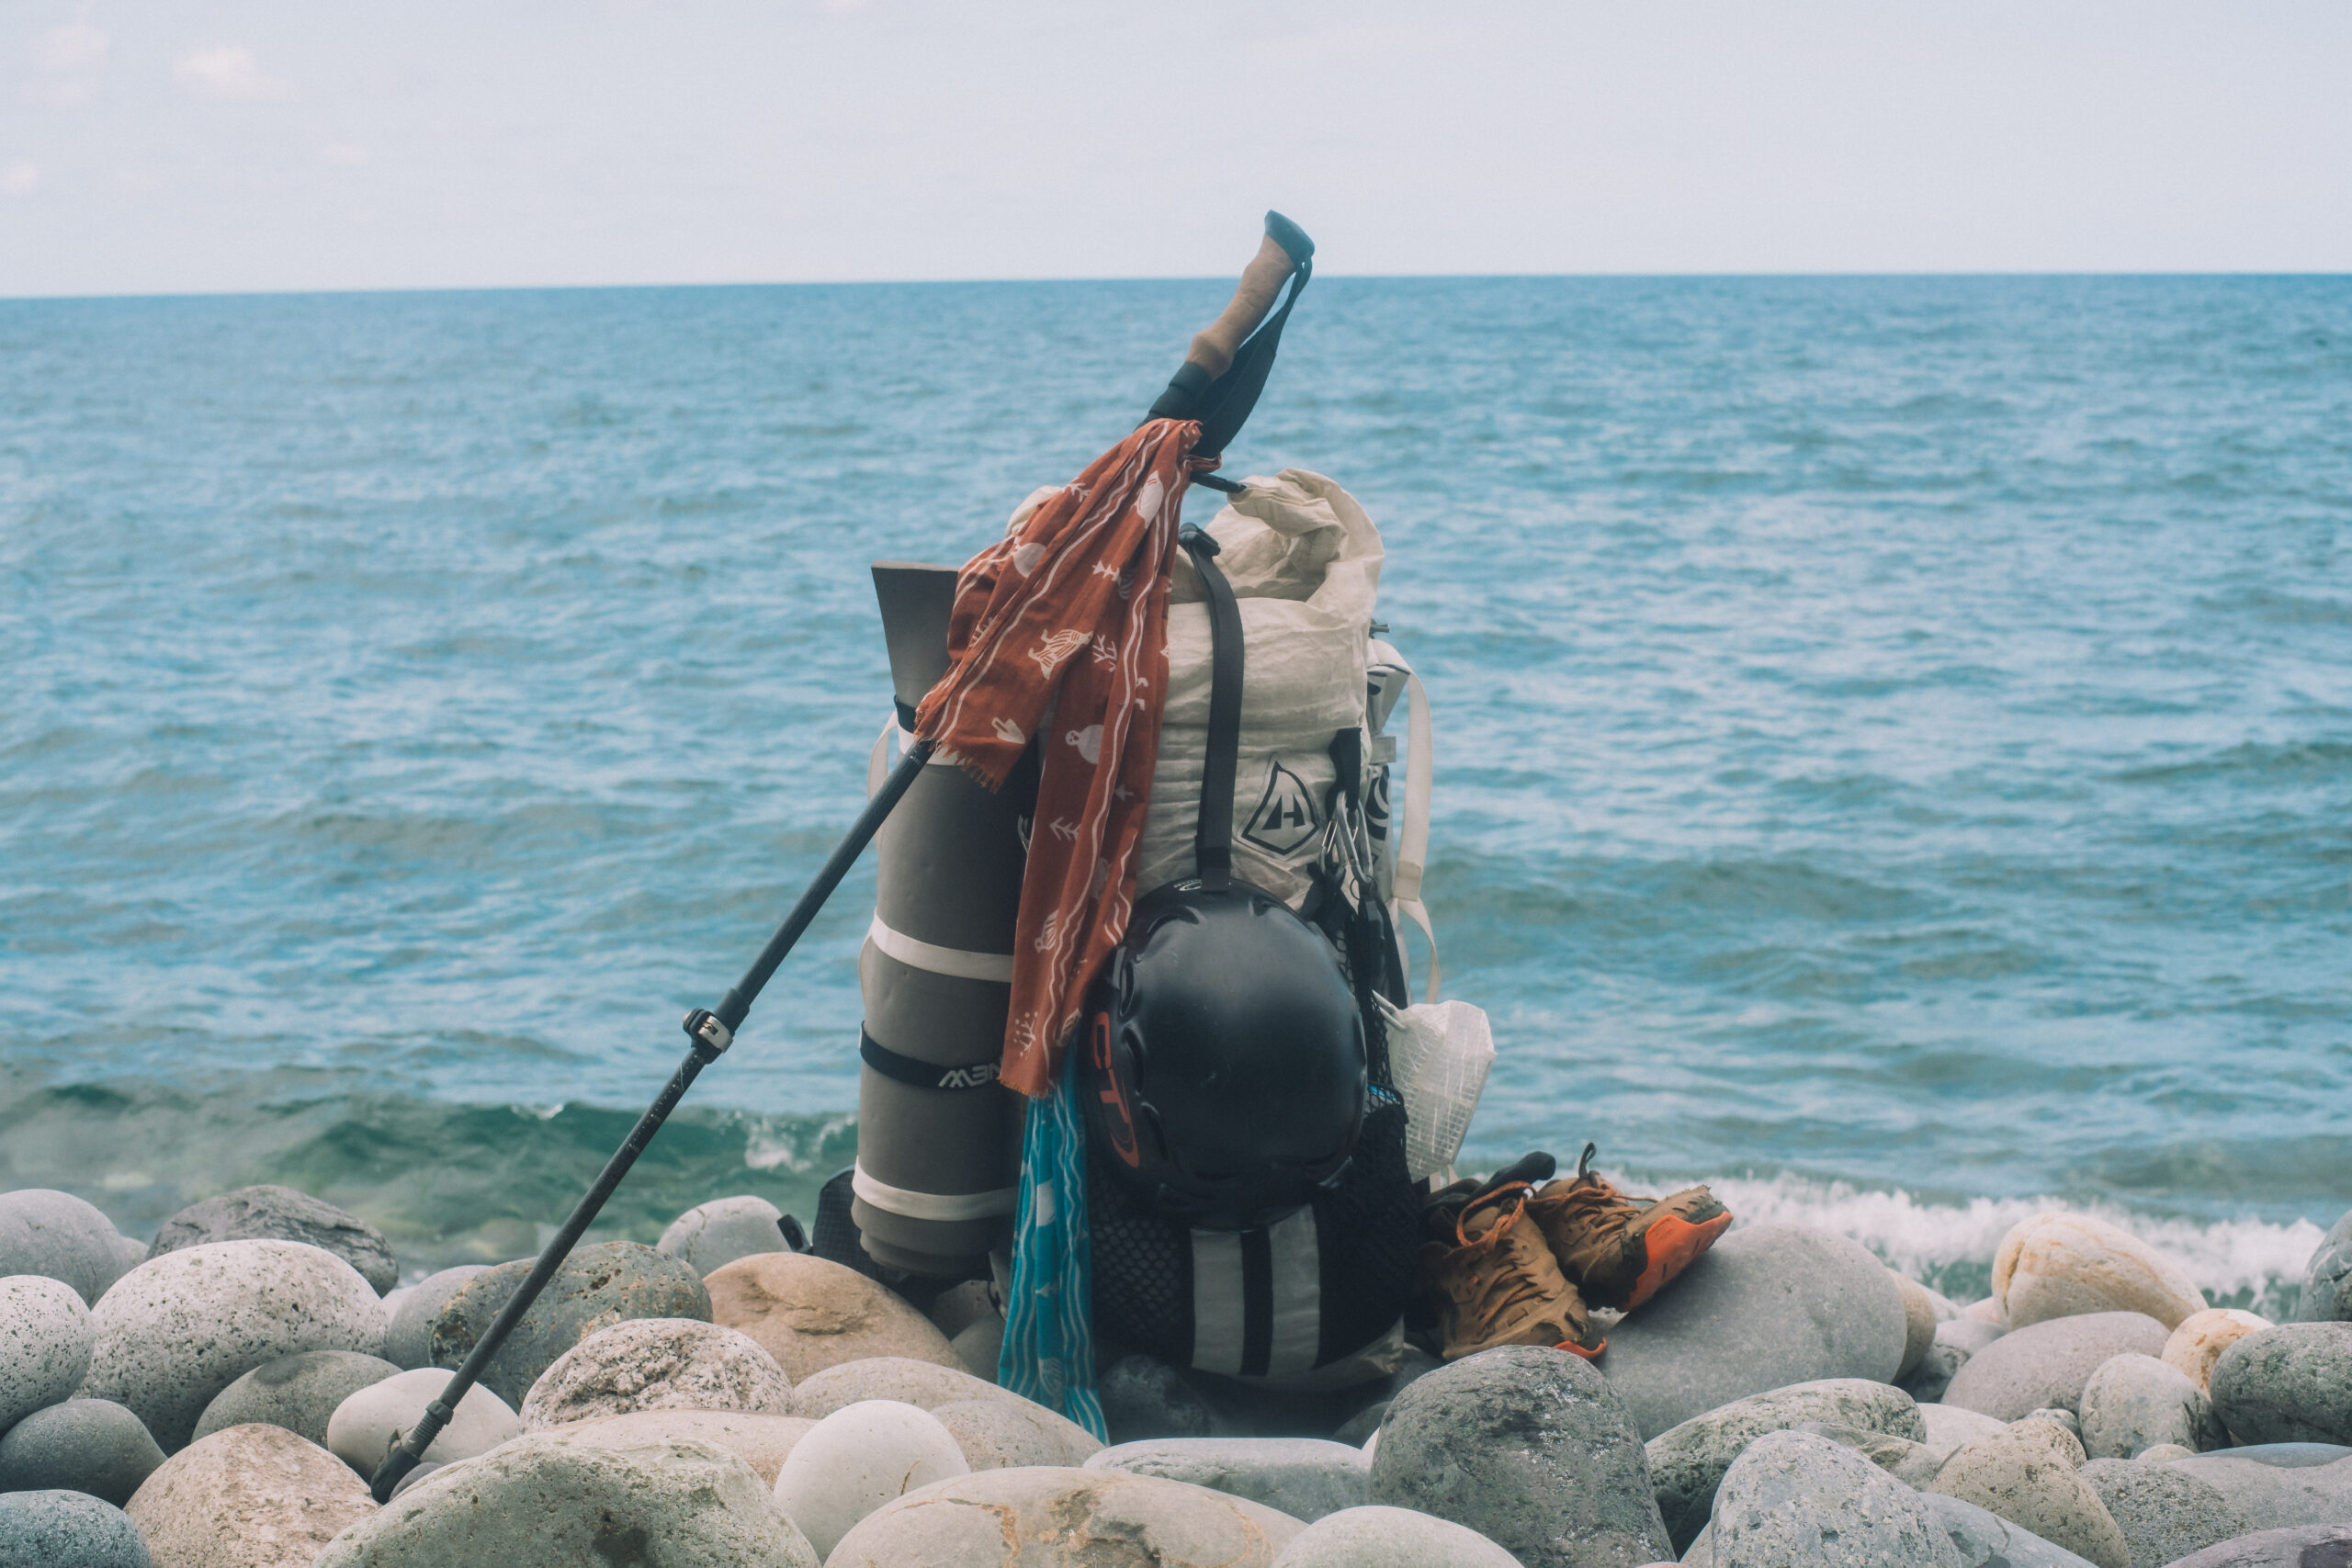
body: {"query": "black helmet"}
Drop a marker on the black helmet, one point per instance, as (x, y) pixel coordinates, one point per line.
(1224, 1050)
(1224, 1057)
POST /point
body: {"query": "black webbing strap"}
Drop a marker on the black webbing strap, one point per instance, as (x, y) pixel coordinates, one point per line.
(1212, 839)
(923, 1075)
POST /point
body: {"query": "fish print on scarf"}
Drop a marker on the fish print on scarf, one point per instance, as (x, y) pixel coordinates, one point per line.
(1087, 570)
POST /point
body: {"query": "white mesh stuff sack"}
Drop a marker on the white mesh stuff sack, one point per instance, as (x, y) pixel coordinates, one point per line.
(1439, 1053)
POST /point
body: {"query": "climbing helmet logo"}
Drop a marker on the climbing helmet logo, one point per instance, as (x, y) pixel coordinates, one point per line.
(1285, 819)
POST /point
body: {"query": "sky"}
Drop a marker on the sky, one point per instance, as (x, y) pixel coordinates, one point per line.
(233, 145)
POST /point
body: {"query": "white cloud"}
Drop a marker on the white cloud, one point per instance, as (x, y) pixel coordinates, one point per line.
(343, 154)
(226, 71)
(70, 50)
(65, 62)
(19, 178)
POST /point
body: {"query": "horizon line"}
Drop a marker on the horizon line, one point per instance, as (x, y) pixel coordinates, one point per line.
(1694, 275)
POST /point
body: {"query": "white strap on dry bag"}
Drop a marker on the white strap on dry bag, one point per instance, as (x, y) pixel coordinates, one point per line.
(1413, 824)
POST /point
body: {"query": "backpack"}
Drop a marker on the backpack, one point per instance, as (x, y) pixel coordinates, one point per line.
(1318, 1298)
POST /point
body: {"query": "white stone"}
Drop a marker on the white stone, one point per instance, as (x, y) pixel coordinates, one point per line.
(179, 1328)
(1374, 1536)
(361, 1429)
(1043, 1516)
(2202, 1337)
(657, 1363)
(711, 1236)
(1000, 1434)
(251, 1496)
(909, 1382)
(761, 1441)
(547, 1500)
(1949, 1426)
(45, 1339)
(2062, 1265)
(859, 1458)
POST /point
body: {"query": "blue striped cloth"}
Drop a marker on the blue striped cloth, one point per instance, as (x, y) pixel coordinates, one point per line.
(1048, 1352)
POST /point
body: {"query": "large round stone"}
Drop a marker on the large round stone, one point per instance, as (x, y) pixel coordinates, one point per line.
(59, 1528)
(1047, 1517)
(280, 1214)
(2061, 1265)
(45, 1338)
(909, 1382)
(361, 1430)
(2133, 1403)
(1687, 1461)
(711, 1236)
(598, 1286)
(2287, 1385)
(1303, 1477)
(2307, 1546)
(1792, 1497)
(178, 1329)
(858, 1458)
(1949, 1426)
(1535, 1451)
(657, 1363)
(1919, 1320)
(764, 1442)
(1766, 1307)
(2202, 1337)
(2279, 1484)
(63, 1237)
(1004, 1432)
(83, 1444)
(2046, 1365)
(545, 1501)
(2164, 1514)
(408, 1337)
(249, 1497)
(811, 1313)
(298, 1392)
(2327, 1282)
(1984, 1540)
(1374, 1536)
(2029, 1474)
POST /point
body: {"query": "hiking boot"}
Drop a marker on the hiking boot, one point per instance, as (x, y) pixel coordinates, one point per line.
(1620, 1250)
(1499, 1282)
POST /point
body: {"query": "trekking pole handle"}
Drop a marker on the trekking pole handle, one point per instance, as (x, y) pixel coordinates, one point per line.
(712, 1033)
(1280, 253)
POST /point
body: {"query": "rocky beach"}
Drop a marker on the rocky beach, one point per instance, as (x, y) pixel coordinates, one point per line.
(219, 1398)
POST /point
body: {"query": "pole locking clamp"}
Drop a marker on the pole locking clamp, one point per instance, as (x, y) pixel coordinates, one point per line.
(703, 1024)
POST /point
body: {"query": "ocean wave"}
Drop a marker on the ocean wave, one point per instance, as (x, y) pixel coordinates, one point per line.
(2247, 1262)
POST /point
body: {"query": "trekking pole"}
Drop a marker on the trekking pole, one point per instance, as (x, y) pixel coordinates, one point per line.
(712, 1031)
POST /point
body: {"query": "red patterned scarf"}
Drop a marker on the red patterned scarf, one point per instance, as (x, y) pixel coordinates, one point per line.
(1070, 612)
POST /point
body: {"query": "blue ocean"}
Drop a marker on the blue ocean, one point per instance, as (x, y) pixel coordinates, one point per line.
(1894, 735)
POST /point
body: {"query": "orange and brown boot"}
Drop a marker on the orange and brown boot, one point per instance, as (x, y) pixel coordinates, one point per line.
(1498, 1281)
(1620, 1250)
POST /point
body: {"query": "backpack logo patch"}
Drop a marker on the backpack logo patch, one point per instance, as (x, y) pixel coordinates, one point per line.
(1285, 820)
